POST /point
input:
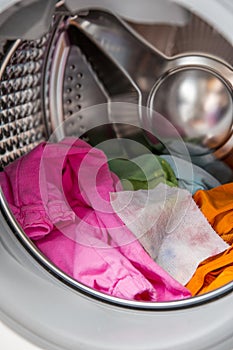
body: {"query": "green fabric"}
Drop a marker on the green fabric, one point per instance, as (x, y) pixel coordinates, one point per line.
(143, 172)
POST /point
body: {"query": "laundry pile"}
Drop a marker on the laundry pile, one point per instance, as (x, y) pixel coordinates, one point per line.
(138, 229)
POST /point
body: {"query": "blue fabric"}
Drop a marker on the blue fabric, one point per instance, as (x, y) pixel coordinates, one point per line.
(190, 176)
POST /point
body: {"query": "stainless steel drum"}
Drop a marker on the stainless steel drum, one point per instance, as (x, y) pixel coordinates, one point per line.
(61, 65)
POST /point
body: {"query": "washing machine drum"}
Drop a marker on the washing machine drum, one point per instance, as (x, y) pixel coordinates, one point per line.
(67, 69)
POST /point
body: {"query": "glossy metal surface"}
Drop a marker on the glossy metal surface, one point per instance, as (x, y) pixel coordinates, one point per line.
(162, 81)
(81, 76)
(21, 120)
(198, 103)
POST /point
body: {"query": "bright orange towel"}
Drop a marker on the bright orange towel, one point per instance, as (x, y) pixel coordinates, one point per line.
(212, 273)
(217, 206)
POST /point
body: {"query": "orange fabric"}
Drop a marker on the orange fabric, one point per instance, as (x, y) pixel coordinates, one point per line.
(217, 206)
(212, 273)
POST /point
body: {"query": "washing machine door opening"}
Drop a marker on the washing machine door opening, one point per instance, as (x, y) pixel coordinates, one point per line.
(73, 75)
(69, 92)
(68, 71)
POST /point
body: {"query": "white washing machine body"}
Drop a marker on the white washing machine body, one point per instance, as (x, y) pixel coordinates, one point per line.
(10, 340)
(39, 311)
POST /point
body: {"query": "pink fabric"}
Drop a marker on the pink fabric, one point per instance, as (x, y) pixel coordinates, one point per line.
(59, 193)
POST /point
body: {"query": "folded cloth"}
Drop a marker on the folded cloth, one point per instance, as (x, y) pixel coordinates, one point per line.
(59, 193)
(190, 176)
(170, 227)
(217, 206)
(143, 172)
(212, 273)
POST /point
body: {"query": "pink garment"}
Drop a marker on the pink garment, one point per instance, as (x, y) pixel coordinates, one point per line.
(59, 193)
